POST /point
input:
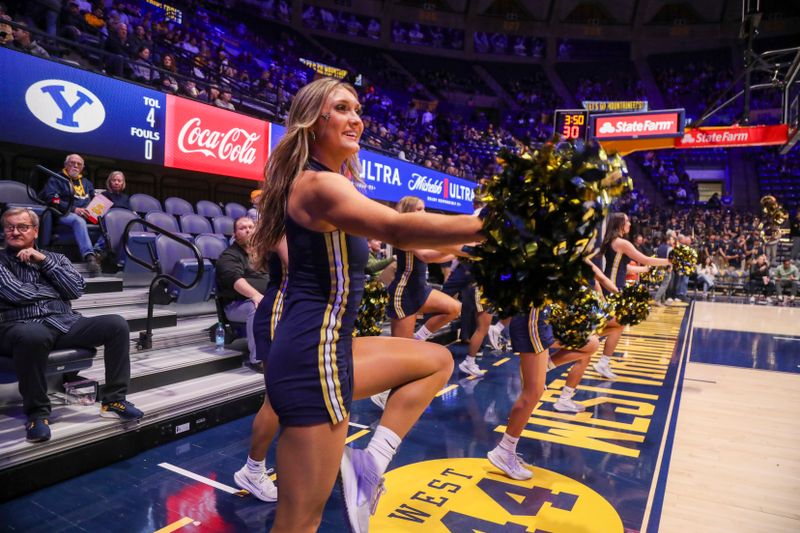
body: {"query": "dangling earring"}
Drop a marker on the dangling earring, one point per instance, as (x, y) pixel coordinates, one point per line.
(313, 136)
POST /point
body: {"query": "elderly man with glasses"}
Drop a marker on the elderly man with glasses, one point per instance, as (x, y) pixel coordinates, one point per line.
(36, 317)
(57, 192)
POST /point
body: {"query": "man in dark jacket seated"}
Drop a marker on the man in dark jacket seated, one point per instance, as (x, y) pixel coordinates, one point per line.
(57, 192)
(36, 317)
(239, 287)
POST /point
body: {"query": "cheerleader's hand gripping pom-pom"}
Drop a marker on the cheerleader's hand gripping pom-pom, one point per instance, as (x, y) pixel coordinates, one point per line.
(541, 212)
(684, 259)
(372, 309)
(653, 277)
(631, 305)
(576, 320)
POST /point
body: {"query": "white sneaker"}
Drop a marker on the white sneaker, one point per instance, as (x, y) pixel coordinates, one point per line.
(752, 299)
(380, 398)
(471, 368)
(550, 364)
(604, 369)
(361, 487)
(669, 301)
(568, 405)
(259, 485)
(510, 463)
(495, 340)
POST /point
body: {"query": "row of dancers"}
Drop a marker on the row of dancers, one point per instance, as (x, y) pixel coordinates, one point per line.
(311, 237)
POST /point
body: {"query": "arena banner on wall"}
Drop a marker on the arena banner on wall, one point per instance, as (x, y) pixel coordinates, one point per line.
(208, 139)
(389, 179)
(626, 126)
(64, 108)
(614, 106)
(732, 136)
(324, 70)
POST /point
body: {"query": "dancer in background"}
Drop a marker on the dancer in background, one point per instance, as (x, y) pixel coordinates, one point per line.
(409, 292)
(618, 252)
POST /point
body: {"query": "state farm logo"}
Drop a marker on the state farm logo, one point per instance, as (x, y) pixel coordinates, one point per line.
(638, 126)
(687, 138)
(425, 184)
(726, 136)
(65, 106)
(236, 145)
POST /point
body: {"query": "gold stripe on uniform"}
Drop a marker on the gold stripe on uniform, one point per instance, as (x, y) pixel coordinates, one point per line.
(326, 342)
(401, 285)
(345, 293)
(277, 305)
(615, 267)
(533, 330)
(478, 305)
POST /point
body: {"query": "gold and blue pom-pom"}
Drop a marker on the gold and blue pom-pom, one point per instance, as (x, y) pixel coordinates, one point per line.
(372, 310)
(542, 210)
(576, 320)
(631, 305)
(653, 277)
(684, 259)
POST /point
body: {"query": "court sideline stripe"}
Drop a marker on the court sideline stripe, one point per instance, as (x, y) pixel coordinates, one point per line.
(185, 521)
(655, 500)
(198, 477)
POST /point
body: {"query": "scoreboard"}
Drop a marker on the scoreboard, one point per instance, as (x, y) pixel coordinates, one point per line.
(571, 124)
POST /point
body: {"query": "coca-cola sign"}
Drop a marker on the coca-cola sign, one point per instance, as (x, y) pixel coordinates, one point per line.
(622, 126)
(208, 139)
(733, 136)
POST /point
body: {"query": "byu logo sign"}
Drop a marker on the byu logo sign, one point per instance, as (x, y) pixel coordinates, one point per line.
(65, 106)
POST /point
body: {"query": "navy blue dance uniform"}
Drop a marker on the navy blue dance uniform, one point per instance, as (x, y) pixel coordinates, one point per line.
(310, 364)
(530, 333)
(409, 289)
(462, 282)
(616, 267)
(270, 309)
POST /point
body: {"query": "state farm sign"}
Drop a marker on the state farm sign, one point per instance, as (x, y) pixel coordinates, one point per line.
(733, 136)
(637, 125)
(209, 139)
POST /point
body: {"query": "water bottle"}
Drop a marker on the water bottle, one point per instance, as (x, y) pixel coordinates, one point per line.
(219, 337)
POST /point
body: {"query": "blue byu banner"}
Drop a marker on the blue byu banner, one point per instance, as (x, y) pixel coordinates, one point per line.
(65, 108)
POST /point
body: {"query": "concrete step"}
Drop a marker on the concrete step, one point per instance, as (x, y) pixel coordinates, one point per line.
(136, 316)
(111, 299)
(102, 284)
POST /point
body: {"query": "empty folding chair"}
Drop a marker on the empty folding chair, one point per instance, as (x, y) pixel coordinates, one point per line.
(234, 210)
(180, 262)
(208, 209)
(178, 206)
(144, 203)
(223, 225)
(195, 224)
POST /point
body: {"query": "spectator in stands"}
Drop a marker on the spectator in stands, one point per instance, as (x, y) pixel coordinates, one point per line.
(56, 193)
(36, 317)
(786, 275)
(252, 213)
(706, 275)
(794, 233)
(140, 38)
(239, 287)
(714, 201)
(23, 41)
(46, 11)
(118, 45)
(165, 79)
(142, 67)
(224, 100)
(376, 262)
(760, 280)
(73, 23)
(115, 190)
(6, 31)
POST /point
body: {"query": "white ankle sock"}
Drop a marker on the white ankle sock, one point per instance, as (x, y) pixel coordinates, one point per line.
(604, 360)
(422, 334)
(470, 360)
(383, 446)
(567, 392)
(509, 443)
(499, 327)
(254, 466)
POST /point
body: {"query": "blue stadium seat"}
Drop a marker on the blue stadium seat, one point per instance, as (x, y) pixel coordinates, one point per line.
(234, 210)
(208, 209)
(113, 225)
(178, 206)
(223, 225)
(178, 261)
(163, 221)
(195, 224)
(144, 203)
(59, 362)
(211, 246)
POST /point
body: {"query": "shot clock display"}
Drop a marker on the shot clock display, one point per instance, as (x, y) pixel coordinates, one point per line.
(571, 124)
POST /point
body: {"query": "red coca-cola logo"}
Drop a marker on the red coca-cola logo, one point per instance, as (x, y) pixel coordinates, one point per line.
(208, 139)
(236, 144)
